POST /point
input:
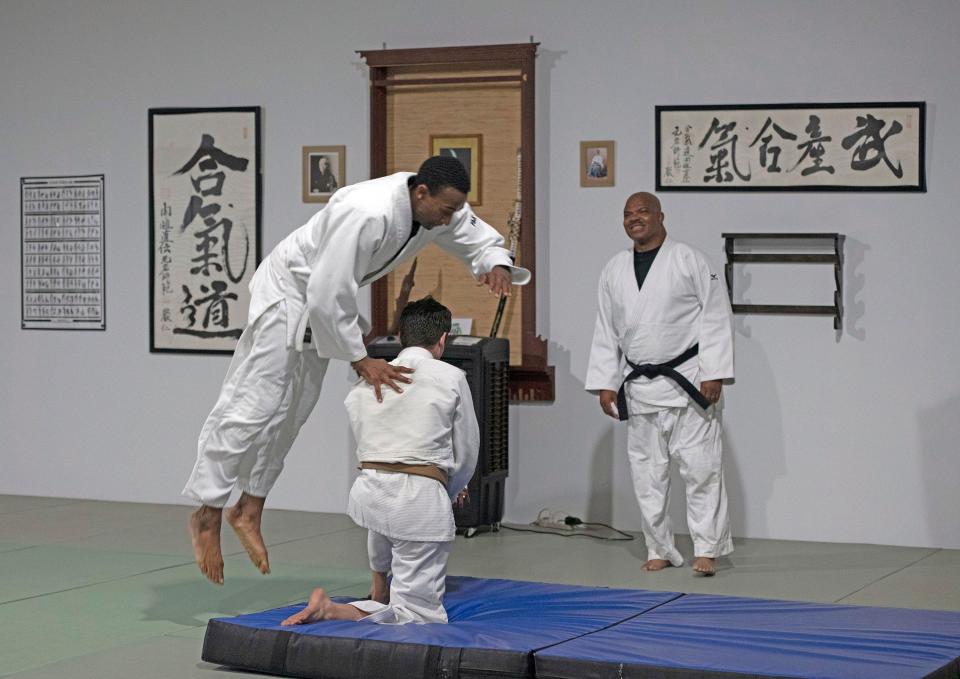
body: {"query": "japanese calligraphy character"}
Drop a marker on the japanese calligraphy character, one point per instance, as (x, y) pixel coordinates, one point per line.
(813, 148)
(766, 148)
(216, 311)
(871, 149)
(209, 156)
(718, 168)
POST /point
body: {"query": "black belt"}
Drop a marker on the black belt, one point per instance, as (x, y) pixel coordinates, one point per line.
(651, 370)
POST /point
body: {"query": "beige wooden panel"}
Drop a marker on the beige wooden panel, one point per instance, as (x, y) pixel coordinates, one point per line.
(492, 110)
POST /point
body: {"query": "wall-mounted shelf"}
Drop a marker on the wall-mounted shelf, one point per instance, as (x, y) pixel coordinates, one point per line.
(836, 258)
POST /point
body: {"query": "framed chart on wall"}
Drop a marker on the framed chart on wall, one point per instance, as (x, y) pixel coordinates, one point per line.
(205, 188)
(63, 272)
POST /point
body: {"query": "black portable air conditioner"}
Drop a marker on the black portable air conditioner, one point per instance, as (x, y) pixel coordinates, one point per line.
(486, 361)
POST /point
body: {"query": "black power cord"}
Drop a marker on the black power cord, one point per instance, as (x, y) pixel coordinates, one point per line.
(576, 521)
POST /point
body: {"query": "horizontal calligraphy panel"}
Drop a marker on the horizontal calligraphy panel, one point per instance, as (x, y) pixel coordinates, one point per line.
(783, 147)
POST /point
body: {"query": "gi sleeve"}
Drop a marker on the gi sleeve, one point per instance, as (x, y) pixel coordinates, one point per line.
(466, 440)
(478, 245)
(716, 323)
(343, 259)
(603, 368)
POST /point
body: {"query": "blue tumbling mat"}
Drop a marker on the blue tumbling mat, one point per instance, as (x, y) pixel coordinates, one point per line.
(527, 630)
(700, 635)
(494, 628)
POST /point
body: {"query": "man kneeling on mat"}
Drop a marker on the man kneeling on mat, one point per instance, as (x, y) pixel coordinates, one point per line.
(417, 450)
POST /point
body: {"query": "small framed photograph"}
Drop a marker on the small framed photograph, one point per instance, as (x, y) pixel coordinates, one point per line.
(461, 326)
(324, 171)
(466, 149)
(596, 163)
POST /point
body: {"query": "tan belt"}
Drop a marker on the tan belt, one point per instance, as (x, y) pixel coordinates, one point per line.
(427, 470)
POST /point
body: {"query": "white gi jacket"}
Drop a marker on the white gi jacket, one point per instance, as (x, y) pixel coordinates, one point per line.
(683, 302)
(431, 422)
(361, 235)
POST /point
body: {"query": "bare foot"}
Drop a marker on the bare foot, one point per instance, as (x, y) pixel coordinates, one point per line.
(320, 607)
(205, 536)
(656, 565)
(704, 565)
(379, 590)
(244, 517)
(315, 610)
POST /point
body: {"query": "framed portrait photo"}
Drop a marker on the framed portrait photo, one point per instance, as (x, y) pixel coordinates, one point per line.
(467, 149)
(324, 171)
(596, 163)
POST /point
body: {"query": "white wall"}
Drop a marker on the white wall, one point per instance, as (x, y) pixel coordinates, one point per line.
(837, 438)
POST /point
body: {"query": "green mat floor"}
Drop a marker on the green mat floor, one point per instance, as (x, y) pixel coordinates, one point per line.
(105, 589)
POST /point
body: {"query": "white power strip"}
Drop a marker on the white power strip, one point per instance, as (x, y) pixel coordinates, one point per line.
(550, 518)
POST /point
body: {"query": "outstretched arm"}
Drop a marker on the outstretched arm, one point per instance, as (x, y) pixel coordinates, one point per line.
(480, 247)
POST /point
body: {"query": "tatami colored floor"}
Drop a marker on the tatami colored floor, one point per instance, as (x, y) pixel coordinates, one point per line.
(103, 589)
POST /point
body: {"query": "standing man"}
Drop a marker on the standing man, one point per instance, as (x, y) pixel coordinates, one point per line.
(662, 346)
(311, 280)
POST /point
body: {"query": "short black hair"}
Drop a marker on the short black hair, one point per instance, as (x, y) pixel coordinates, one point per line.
(423, 322)
(440, 171)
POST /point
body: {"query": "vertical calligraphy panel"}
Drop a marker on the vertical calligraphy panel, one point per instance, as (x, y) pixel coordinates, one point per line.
(204, 226)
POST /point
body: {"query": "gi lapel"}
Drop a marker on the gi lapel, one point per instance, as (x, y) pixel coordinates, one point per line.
(401, 231)
(640, 300)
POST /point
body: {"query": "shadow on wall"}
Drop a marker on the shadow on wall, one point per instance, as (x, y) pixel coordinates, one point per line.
(753, 447)
(741, 284)
(753, 453)
(600, 489)
(939, 433)
(567, 460)
(854, 283)
(545, 63)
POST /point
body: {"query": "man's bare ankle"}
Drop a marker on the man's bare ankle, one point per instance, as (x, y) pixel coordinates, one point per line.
(207, 516)
(250, 505)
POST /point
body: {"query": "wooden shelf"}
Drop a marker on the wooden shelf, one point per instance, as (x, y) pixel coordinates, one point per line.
(836, 259)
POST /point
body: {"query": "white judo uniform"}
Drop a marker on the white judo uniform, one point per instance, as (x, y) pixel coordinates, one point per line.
(311, 279)
(410, 518)
(683, 302)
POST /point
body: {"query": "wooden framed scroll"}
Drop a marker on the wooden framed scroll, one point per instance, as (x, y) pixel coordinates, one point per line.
(462, 95)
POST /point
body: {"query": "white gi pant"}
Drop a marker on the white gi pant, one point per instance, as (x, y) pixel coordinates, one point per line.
(418, 584)
(692, 437)
(268, 393)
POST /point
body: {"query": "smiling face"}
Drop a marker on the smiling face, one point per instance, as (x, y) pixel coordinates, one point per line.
(436, 209)
(643, 221)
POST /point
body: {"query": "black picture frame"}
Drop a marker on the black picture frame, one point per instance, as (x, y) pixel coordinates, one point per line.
(673, 121)
(180, 135)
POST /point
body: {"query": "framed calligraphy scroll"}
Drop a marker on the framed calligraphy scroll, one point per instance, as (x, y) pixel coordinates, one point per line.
(791, 147)
(205, 214)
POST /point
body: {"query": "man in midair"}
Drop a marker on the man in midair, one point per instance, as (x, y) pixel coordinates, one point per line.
(311, 280)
